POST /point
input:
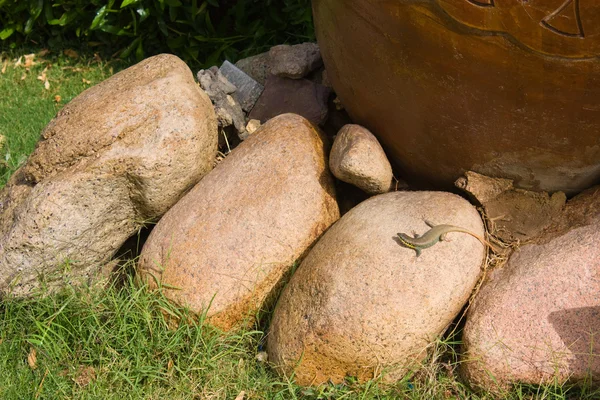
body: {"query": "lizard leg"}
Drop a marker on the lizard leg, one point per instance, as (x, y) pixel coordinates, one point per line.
(429, 223)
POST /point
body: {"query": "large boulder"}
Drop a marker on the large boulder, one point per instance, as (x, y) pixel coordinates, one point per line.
(360, 302)
(118, 155)
(537, 319)
(230, 240)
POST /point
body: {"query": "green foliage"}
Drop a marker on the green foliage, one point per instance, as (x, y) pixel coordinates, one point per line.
(28, 105)
(203, 32)
(125, 342)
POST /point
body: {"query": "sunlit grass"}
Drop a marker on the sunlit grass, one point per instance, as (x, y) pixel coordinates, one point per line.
(28, 103)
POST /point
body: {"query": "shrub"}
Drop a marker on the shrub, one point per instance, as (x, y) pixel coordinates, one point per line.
(200, 31)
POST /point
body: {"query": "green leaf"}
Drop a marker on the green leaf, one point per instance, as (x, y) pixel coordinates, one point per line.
(208, 23)
(36, 9)
(176, 43)
(143, 13)
(162, 26)
(201, 8)
(139, 52)
(6, 32)
(213, 3)
(173, 3)
(215, 56)
(99, 18)
(172, 13)
(62, 21)
(128, 2)
(125, 53)
(29, 26)
(115, 30)
(48, 13)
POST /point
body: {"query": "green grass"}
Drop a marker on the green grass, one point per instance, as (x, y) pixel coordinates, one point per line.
(116, 343)
(26, 106)
(121, 343)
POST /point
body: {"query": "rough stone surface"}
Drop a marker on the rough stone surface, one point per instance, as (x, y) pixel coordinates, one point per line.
(252, 126)
(247, 89)
(230, 240)
(229, 112)
(360, 303)
(515, 214)
(537, 319)
(295, 61)
(121, 153)
(357, 158)
(256, 67)
(299, 96)
(214, 83)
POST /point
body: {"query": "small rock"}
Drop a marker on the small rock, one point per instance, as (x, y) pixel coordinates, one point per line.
(516, 214)
(262, 357)
(229, 112)
(357, 158)
(256, 67)
(536, 320)
(359, 303)
(231, 239)
(247, 89)
(338, 104)
(298, 96)
(214, 83)
(295, 61)
(252, 126)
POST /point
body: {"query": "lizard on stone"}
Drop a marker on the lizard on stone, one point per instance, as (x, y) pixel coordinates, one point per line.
(433, 236)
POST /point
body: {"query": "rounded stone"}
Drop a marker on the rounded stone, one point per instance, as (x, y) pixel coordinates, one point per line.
(360, 303)
(536, 320)
(225, 246)
(118, 155)
(357, 158)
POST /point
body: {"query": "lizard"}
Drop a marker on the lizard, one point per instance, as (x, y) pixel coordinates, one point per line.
(433, 236)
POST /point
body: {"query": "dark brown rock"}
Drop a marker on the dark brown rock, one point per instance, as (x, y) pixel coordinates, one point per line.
(256, 67)
(299, 96)
(295, 61)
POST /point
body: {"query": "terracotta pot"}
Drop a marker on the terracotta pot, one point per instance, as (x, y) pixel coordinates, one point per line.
(506, 88)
